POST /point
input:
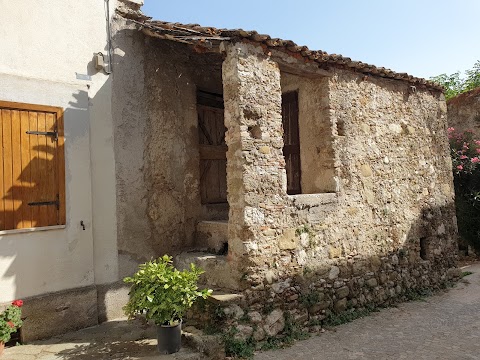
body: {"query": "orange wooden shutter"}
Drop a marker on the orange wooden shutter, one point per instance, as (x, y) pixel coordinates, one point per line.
(32, 177)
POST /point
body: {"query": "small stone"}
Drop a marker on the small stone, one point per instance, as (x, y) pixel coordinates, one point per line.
(293, 297)
(234, 311)
(288, 241)
(395, 260)
(270, 276)
(274, 322)
(265, 149)
(304, 239)
(342, 292)
(334, 252)
(243, 332)
(259, 334)
(255, 317)
(372, 282)
(318, 307)
(340, 305)
(386, 160)
(366, 170)
(334, 272)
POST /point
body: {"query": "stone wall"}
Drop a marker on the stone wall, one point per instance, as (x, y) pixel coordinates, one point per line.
(464, 111)
(389, 227)
(156, 143)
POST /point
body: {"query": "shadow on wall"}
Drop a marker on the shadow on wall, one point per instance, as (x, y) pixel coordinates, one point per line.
(33, 181)
(421, 262)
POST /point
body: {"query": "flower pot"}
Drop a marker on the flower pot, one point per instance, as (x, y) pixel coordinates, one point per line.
(169, 338)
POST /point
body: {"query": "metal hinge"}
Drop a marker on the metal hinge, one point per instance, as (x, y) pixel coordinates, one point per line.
(46, 133)
(40, 203)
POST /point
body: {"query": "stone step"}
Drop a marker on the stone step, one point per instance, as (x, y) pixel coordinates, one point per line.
(219, 273)
(210, 346)
(212, 236)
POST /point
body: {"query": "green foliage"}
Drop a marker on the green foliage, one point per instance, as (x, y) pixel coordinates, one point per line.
(465, 152)
(347, 316)
(310, 299)
(417, 294)
(455, 85)
(162, 293)
(291, 332)
(236, 347)
(466, 273)
(10, 320)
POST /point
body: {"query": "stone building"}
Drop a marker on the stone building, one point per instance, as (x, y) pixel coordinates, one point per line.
(279, 170)
(464, 111)
(287, 174)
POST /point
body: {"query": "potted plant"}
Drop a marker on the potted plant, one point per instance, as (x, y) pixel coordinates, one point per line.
(10, 321)
(163, 294)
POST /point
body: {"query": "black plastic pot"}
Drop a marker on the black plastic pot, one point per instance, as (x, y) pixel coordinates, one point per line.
(169, 338)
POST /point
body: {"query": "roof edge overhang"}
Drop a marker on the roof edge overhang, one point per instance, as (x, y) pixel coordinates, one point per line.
(209, 39)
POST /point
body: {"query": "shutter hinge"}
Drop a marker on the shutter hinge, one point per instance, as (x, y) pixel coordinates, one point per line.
(40, 203)
(46, 133)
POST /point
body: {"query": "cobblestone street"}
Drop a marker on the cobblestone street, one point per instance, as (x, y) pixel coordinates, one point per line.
(444, 326)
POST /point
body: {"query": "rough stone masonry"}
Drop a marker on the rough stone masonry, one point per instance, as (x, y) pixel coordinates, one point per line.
(375, 219)
(388, 227)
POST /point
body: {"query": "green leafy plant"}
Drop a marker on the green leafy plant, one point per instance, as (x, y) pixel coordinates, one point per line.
(454, 84)
(162, 293)
(238, 348)
(10, 320)
(465, 152)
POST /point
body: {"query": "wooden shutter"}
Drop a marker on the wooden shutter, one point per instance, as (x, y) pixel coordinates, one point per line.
(291, 139)
(32, 176)
(213, 150)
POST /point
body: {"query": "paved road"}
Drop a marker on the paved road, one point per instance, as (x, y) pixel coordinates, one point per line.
(444, 326)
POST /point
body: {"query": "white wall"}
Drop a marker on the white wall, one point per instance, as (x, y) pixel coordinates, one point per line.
(43, 45)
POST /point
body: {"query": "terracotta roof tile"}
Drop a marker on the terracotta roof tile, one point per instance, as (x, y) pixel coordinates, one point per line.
(199, 35)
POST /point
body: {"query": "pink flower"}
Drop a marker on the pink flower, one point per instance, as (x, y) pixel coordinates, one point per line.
(477, 142)
(475, 160)
(11, 324)
(478, 151)
(463, 157)
(460, 167)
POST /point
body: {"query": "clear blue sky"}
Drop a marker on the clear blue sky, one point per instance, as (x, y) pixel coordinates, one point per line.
(421, 37)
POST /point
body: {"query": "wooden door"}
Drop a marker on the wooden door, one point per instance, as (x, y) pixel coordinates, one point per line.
(213, 150)
(291, 139)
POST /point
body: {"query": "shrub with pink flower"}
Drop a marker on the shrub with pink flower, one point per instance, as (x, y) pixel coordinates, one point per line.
(465, 150)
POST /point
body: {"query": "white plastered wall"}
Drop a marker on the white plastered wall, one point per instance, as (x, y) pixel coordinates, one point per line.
(43, 46)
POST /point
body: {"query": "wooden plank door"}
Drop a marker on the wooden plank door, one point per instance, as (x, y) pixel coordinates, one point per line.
(291, 139)
(213, 150)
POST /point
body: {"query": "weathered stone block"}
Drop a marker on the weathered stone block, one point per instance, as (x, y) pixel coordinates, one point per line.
(334, 252)
(288, 241)
(342, 292)
(57, 313)
(274, 322)
(372, 282)
(340, 305)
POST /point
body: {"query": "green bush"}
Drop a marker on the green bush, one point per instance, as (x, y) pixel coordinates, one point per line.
(465, 152)
(162, 293)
